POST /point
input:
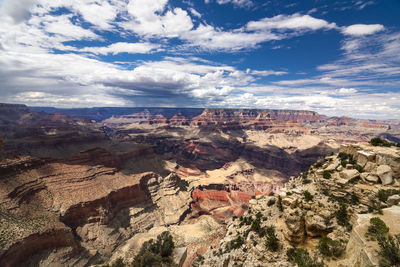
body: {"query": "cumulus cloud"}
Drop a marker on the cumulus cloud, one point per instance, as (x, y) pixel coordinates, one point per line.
(362, 29)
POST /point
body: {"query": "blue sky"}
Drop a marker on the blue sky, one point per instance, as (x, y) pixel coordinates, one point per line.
(334, 57)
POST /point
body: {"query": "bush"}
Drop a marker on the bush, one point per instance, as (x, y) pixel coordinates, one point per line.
(319, 164)
(383, 195)
(301, 257)
(117, 263)
(380, 142)
(271, 202)
(359, 168)
(326, 174)
(236, 243)
(155, 253)
(344, 162)
(256, 226)
(376, 228)
(341, 215)
(330, 248)
(272, 242)
(343, 156)
(307, 196)
(279, 204)
(389, 251)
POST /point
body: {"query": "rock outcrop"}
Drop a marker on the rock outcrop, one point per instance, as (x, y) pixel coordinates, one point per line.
(327, 200)
(90, 209)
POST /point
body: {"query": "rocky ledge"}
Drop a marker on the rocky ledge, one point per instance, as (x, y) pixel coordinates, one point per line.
(321, 218)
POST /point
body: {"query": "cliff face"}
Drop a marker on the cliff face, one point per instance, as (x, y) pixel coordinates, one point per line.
(258, 119)
(333, 198)
(89, 209)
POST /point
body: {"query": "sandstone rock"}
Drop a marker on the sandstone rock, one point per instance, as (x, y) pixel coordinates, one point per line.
(315, 225)
(294, 226)
(372, 178)
(332, 166)
(179, 256)
(365, 156)
(393, 200)
(370, 166)
(290, 202)
(385, 173)
(349, 174)
(359, 250)
(349, 166)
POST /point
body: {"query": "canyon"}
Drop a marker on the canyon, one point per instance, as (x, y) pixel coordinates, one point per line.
(83, 187)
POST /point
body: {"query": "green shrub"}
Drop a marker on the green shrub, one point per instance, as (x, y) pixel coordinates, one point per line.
(351, 160)
(236, 243)
(319, 164)
(256, 225)
(307, 196)
(380, 142)
(272, 242)
(155, 253)
(271, 202)
(341, 215)
(359, 168)
(330, 248)
(326, 174)
(376, 228)
(355, 199)
(344, 162)
(117, 263)
(389, 250)
(301, 257)
(383, 195)
(279, 204)
(306, 181)
(343, 156)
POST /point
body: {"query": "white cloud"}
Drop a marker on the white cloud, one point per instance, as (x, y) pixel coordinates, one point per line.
(17, 10)
(195, 12)
(266, 72)
(211, 92)
(240, 3)
(293, 22)
(362, 29)
(147, 21)
(346, 91)
(123, 47)
(62, 26)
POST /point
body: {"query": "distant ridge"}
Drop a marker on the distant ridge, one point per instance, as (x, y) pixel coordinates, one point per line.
(102, 113)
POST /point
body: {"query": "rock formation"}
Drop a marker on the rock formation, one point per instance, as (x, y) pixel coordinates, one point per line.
(332, 200)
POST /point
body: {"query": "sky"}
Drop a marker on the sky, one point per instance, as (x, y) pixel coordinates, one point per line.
(336, 57)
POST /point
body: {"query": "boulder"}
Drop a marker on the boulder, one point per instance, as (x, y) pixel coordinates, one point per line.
(349, 174)
(372, 178)
(332, 166)
(315, 225)
(369, 167)
(365, 156)
(179, 256)
(385, 173)
(393, 200)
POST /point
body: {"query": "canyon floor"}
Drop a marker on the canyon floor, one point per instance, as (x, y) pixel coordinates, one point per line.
(86, 187)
